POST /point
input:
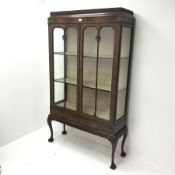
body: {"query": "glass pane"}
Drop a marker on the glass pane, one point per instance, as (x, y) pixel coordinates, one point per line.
(105, 61)
(59, 92)
(58, 46)
(58, 42)
(71, 96)
(88, 101)
(89, 70)
(123, 73)
(65, 67)
(71, 55)
(121, 103)
(90, 43)
(71, 40)
(106, 46)
(125, 45)
(103, 104)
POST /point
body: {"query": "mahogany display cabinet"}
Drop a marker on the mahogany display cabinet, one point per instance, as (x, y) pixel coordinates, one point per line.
(90, 55)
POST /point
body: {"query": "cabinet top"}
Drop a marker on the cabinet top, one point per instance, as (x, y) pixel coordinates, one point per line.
(106, 15)
(85, 12)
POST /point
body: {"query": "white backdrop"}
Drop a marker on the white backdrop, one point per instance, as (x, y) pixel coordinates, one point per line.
(24, 84)
(24, 74)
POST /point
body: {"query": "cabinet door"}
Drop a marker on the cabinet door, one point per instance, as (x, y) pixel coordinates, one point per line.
(98, 49)
(65, 59)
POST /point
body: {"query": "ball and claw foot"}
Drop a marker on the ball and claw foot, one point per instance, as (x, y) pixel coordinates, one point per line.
(50, 139)
(113, 166)
(123, 154)
(64, 132)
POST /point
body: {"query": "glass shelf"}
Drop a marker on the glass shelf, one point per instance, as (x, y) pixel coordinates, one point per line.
(109, 57)
(68, 80)
(86, 55)
(68, 104)
(102, 87)
(100, 56)
(66, 53)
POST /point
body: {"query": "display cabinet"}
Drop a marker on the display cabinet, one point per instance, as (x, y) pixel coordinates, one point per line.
(90, 54)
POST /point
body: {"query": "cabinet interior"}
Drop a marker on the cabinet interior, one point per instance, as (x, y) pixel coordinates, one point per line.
(97, 71)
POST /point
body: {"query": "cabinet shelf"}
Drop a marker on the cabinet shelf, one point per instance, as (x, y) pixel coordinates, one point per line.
(109, 57)
(100, 56)
(66, 53)
(67, 80)
(69, 105)
(91, 85)
(103, 87)
(86, 55)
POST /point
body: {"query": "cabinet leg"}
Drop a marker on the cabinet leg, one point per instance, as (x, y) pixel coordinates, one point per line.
(123, 154)
(49, 121)
(64, 132)
(114, 144)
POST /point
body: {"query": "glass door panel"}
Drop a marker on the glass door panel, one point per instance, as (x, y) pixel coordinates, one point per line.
(58, 42)
(89, 70)
(97, 71)
(104, 75)
(106, 46)
(65, 67)
(88, 100)
(123, 73)
(71, 55)
(103, 104)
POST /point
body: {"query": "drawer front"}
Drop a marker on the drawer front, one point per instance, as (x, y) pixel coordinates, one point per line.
(76, 119)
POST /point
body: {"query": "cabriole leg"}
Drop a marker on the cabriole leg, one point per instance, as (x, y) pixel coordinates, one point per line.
(49, 121)
(123, 154)
(64, 132)
(114, 144)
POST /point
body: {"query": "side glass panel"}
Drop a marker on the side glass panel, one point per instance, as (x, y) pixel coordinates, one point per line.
(65, 67)
(104, 76)
(89, 70)
(123, 73)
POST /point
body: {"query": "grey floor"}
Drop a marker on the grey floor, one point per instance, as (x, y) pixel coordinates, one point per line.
(77, 152)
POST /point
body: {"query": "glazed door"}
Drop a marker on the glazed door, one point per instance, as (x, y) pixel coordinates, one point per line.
(65, 66)
(97, 63)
